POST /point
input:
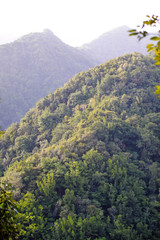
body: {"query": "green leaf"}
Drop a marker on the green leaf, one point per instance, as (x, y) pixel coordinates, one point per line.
(157, 63)
(155, 38)
(133, 30)
(132, 34)
(150, 47)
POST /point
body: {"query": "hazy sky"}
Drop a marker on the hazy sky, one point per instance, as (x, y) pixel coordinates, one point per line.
(74, 21)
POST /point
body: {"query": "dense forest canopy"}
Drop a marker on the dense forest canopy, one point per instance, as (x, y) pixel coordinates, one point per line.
(85, 162)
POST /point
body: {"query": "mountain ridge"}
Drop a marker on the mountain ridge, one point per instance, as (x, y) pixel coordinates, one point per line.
(38, 63)
(114, 43)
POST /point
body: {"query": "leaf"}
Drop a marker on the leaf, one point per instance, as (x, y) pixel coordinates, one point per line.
(150, 47)
(155, 38)
(158, 44)
(132, 34)
(157, 63)
(133, 30)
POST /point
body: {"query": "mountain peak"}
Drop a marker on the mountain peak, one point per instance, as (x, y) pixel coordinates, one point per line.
(48, 31)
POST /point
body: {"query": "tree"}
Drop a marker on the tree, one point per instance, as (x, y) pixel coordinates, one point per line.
(33, 223)
(1, 133)
(152, 21)
(8, 209)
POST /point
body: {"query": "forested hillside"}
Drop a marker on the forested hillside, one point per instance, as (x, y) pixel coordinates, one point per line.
(85, 162)
(31, 68)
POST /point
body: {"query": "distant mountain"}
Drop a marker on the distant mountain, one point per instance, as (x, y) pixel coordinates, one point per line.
(30, 68)
(113, 44)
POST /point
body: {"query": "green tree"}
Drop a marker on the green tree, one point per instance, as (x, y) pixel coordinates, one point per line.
(48, 196)
(30, 215)
(75, 228)
(8, 210)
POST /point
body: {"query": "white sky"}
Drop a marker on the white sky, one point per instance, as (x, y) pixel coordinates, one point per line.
(75, 22)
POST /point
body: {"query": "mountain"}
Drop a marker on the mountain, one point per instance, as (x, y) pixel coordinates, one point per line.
(32, 67)
(39, 63)
(85, 162)
(113, 44)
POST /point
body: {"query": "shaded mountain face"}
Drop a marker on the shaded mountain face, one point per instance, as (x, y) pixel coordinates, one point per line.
(85, 162)
(32, 67)
(113, 44)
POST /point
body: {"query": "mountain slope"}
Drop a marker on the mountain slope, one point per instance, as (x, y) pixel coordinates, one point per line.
(84, 162)
(32, 67)
(38, 63)
(113, 44)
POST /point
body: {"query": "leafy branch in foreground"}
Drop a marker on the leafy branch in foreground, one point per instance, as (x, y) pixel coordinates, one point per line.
(152, 21)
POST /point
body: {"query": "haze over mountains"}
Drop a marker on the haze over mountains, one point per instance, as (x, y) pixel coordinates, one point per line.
(39, 63)
(113, 44)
